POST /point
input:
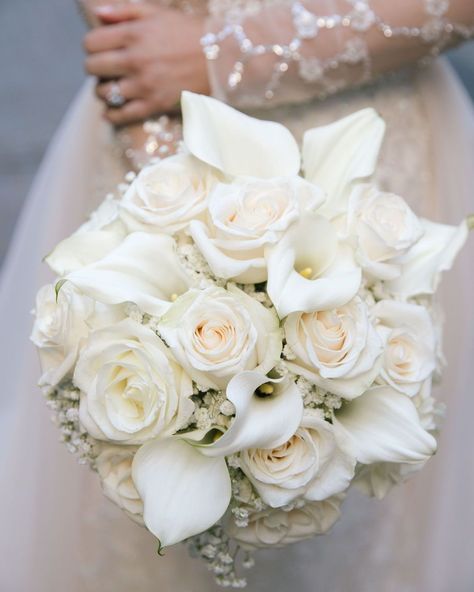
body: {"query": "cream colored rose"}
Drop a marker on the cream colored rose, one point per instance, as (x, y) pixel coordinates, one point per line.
(430, 411)
(311, 464)
(339, 349)
(60, 327)
(385, 228)
(114, 465)
(216, 333)
(410, 344)
(131, 387)
(244, 217)
(277, 528)
(166, 196)
(378, 479)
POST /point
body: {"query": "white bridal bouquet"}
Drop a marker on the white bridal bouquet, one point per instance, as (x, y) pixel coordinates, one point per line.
(232, 343)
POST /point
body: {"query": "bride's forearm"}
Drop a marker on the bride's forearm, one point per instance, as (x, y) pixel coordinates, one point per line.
(300, 50)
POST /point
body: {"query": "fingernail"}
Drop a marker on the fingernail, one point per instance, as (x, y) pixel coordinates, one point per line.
(108, 9)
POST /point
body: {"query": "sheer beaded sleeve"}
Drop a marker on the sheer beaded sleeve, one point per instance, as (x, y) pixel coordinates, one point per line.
(274, 52)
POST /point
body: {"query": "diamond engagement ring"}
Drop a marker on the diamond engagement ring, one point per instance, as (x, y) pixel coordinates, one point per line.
(114, 97)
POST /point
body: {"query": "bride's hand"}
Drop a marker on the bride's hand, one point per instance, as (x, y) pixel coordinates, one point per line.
(152, 52)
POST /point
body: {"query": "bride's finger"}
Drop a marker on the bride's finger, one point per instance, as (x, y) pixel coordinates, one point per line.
(125, 12)
(128, 87)
(107, 38)
(136, 110)
(109, 64)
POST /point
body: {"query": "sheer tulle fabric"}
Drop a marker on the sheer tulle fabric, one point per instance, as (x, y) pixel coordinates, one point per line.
(263, 53)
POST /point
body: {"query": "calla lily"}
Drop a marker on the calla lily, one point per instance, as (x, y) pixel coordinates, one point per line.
(428, 258)
(383, 425)
(174, 479)
(81, 249)
(336, 155)
(92, 241)
(143, 269)
(170, 473)
(260, 421)
(235, 143)
(309, 269)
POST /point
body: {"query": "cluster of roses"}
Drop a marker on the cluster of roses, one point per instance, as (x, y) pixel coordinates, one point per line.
(299, 306)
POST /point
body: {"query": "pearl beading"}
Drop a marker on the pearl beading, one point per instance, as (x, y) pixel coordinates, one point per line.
(436, 33)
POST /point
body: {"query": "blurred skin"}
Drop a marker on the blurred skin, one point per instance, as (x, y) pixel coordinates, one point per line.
(153, 52)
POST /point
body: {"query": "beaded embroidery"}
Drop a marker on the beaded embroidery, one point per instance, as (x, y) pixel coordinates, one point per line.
(436, 33)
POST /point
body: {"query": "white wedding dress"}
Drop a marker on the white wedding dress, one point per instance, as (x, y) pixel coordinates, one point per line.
(59, 533)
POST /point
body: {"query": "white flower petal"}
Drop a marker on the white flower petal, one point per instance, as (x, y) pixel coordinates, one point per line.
(355, 383)
(335, 155)
(383, 425)
(246, 271)
(143, 269)
(235, 143)
(311, 243)
(432, 254)
(183, 492)
(260, 422)
(81, 249)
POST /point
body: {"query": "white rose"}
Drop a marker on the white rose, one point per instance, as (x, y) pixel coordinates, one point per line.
(60, 326)
(216, 333)
(166, 196)
(311, 464)
(244, 217)
(339, 350)
(105, 217)
(385, 228)
(430, 411)
(277, 528)
(114, 465)
(378, 479)
(410, 344)
(131, 387)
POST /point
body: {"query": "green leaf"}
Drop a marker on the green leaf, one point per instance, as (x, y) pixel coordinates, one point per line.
(160, 549)
(58, 287)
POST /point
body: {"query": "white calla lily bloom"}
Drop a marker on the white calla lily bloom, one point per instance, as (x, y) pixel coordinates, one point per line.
(422, 265)
(310, 269)
(383, 425)
(256, 148)
(168, 473)
(144, 269)
(264, 417)
(95, 239)
(338, 154)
